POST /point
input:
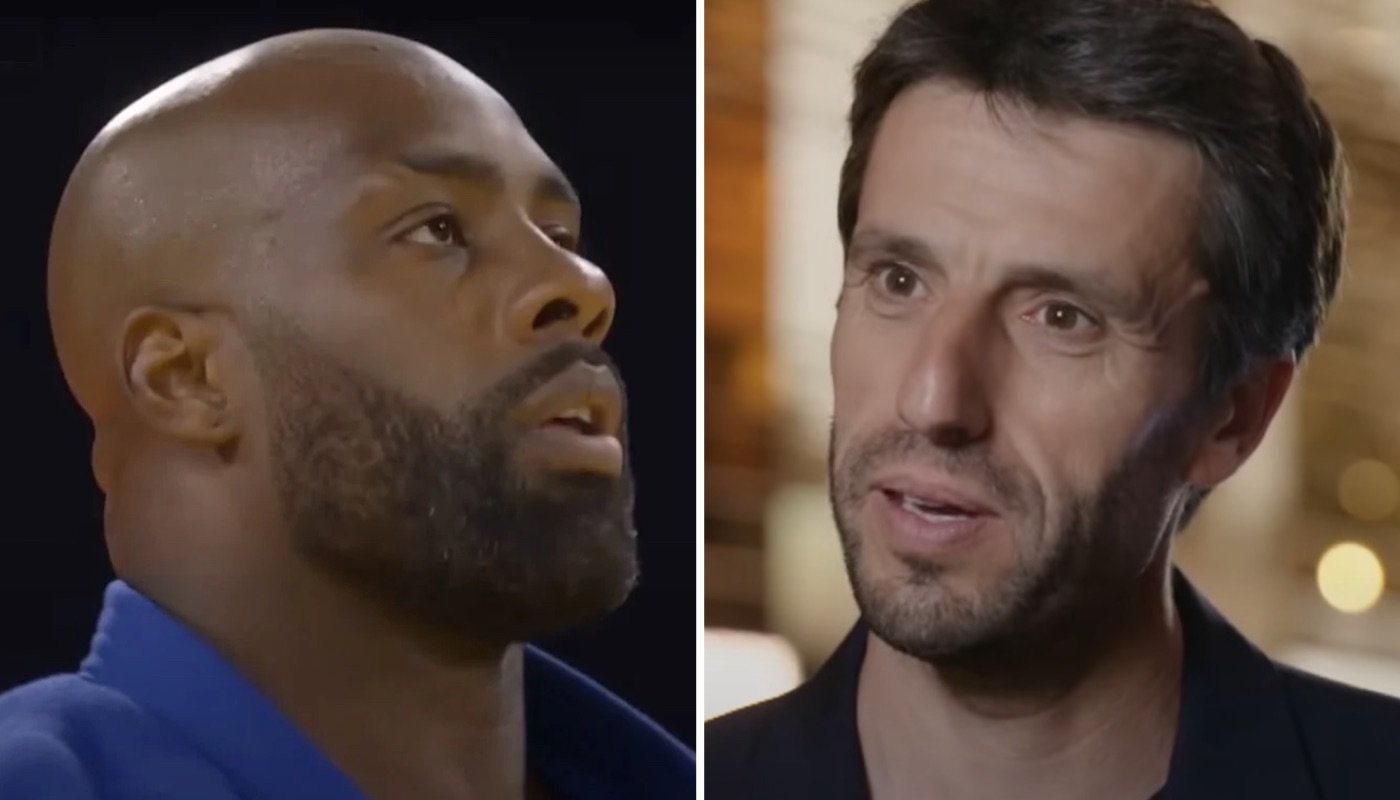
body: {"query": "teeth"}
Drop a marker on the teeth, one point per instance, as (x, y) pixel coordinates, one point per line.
(583, 415)
(931, 513)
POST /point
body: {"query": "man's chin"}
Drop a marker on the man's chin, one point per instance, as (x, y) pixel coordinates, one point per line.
(588, 491)
(546, 612)
(922, 618)
(513, 601)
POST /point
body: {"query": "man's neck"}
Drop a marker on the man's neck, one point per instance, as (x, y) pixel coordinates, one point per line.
(404, 714)
(1104, 731)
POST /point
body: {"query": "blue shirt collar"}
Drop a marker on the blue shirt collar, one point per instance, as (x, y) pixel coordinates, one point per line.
(168, 669)
(581, 740)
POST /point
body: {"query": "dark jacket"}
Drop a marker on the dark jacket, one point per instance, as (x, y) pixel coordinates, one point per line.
(1250, 729)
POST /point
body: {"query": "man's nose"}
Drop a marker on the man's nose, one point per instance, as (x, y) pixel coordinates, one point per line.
(944, 392)
(571, 297)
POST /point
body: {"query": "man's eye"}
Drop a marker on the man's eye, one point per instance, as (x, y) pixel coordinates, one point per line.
(895, 280)
(440, 230)
(1061, 316)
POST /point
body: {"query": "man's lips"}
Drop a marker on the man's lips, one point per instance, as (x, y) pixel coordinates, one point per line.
(932, 495)
(585, 397)
(927, 515)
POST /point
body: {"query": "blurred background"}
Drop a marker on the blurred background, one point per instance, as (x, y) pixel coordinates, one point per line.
(1298, 550)
(608, 93)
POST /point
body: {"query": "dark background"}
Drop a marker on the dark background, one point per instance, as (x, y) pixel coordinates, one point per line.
(610, 97)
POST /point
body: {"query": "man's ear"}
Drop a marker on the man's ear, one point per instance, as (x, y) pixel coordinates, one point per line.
(1239, 419)
(172, 376)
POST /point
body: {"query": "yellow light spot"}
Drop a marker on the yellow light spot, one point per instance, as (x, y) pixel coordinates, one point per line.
(1369, 490)
(1350, 577)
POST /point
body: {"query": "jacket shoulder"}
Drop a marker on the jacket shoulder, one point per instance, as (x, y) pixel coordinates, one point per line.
(737, 730)
(42, 752)
(1349, 732)
(36, 765)
(738, 745)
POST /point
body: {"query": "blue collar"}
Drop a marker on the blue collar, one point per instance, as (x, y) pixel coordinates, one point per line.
(581, 740)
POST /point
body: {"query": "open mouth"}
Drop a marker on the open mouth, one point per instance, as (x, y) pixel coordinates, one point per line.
(931, 509)
(583, 419)
(585, 399)
(574, 422)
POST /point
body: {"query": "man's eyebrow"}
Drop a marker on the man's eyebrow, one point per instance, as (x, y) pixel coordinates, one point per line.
(554, 186)
(460, 166)
(474, 168)
(898, 245)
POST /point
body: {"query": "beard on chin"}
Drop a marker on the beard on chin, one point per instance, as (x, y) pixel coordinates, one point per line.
(427, 514)
(1061, 587)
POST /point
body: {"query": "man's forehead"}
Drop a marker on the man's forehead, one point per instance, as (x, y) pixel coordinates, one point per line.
(333, 96)
(489, 148)
(945, 165)
(489, 169)
(452, 126)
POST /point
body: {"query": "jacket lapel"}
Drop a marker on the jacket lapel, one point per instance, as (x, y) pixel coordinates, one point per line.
(816, 737)
(1237, 736)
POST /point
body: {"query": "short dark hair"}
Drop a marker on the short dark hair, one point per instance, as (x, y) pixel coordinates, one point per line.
(1272, 219)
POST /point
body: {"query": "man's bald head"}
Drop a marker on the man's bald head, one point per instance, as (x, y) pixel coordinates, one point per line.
(175, 200)
(315, 286)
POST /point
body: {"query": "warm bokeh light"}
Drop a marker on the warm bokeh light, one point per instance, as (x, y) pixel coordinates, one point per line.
(744, 667)
(1350, 577)
(1369, 490)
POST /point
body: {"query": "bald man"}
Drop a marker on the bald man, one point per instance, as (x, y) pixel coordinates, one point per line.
(322, 302)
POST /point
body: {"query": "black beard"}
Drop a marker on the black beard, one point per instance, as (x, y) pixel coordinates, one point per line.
(1047, 612)
(427, 515)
